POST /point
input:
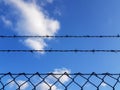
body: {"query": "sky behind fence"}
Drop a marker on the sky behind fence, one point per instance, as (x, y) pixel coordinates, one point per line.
(45, 26)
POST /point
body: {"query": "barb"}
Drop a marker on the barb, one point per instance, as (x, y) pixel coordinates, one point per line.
(72, 50)
(61, 36)
(37, 81)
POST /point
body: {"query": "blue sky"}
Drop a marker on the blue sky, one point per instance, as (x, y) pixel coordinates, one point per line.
(73, 17)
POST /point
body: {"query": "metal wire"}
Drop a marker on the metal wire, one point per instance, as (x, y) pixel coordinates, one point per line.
(71, 50)
(61, 36)
(48, 81)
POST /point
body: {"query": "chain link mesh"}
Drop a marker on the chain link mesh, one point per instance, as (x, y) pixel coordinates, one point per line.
(65, 81)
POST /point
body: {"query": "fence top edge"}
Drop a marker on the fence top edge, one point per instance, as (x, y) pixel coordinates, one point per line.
(65, 73)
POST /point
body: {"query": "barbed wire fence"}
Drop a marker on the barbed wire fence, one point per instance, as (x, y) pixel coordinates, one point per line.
(55, 81)
(80, 81)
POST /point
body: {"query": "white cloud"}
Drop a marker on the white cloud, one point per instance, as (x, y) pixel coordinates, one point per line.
(6, 21)
(35, 43)
(64, 78)
(33, 21)
(103, 84)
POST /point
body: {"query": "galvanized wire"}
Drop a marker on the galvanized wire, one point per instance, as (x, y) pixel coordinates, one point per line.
(65, 50)
(60, 36)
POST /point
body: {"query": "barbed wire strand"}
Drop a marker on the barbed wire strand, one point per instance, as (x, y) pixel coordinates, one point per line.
(71, 50)
(61, 36)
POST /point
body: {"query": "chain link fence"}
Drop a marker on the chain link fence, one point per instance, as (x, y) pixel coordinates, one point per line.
(65, 81)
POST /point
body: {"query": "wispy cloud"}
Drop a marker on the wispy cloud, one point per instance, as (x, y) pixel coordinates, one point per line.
(6, 21)
(57, 11)
(50, 1)
(46, 2)
(33, 21)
